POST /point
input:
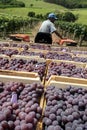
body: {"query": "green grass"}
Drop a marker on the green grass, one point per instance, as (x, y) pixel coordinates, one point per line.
(38, 7)
(41, 7)
(82, 15)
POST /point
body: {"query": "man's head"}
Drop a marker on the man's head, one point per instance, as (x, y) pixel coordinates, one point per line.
(52, 17)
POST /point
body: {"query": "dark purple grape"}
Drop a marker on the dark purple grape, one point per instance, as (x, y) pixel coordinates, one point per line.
(52, 116)
(79, 128)
(48, 122)
(57, 127)
(55, 122)
(70, 118)
(51, 127)
(30, 126)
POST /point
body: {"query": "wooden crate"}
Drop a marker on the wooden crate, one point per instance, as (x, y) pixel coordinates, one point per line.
(38, 50)
(77, 48)
(59, 83)
(6, 78)
(79, 52)
(82, 55)
(62, 85)
(63, 81)
(4, 56)
(77, 64)
(28, 58)
(28, 80)
(41, 44)
(60, 52)
(82, 65)
(58, 48)
(39, 125)
(19, 73)
(14, 48)
(24, 73)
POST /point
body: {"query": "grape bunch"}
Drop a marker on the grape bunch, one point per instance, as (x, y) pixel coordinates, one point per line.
(27, 53)
(3, 62)
(75, 52)
(4, 44)
(61, 49)
(66, 109)
(24, 65)
(80, 59)
(26, 112)
(20, 45)
(65, 69)
(8, 52)
(40, 46)
(58, 56)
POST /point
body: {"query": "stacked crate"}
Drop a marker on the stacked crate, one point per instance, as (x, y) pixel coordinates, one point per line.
(40, 54)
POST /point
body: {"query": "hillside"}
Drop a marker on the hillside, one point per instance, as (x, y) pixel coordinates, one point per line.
(70, 3)
(78, 3)
(41, 7)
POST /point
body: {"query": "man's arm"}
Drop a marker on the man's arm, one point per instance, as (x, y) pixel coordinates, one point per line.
(56, 32)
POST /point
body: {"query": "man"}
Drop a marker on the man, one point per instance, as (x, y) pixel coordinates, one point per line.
(47, 28)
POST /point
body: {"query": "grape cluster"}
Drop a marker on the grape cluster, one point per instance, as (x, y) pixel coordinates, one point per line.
(63, 49)
(27, 53)
(26, 112)
(78, 52)
(66, 109)
(24, 65)
(3, 61)
(40, 46)
(64, 69)
(23, 45)
(4, 44)
(80, 59)
(58, 56)
(8, 52)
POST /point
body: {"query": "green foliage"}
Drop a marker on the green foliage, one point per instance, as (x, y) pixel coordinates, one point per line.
(31, 5)
(17, 4)
(73, 28)
(11, 3)
(13, 23)
(31, 14)
(70, 3)
(5, 1)
(41, 7)
(39, 16)
(69, 17)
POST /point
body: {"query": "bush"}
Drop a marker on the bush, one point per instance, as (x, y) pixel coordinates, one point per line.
(40, 16)
(31, 5)
(31, 14)
(69, 17)
(17, 3)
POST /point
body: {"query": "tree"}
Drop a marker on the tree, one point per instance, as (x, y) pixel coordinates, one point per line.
(31, 5)
(31, 14)
(5, 1)
(69, 17)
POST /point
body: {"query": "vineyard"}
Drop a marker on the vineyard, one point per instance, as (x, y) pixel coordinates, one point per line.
(15, 24)
(73, 30)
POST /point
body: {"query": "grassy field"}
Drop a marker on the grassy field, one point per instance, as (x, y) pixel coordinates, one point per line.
(40, 7)
(82, 15)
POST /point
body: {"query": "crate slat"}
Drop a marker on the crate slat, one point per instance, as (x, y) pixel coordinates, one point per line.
(55, 80)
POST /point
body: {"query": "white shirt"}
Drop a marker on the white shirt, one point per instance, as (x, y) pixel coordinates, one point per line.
(47, 27)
